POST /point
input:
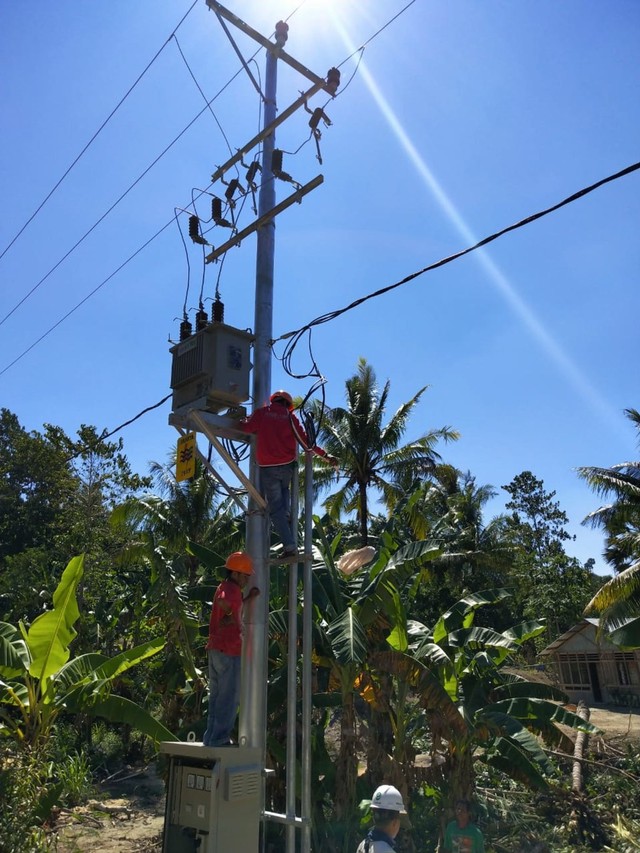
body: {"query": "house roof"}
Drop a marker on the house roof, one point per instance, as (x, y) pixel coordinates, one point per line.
(562, 639)
(581, 626)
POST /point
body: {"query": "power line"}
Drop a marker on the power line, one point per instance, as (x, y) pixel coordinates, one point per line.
(296, 334)
(377, 33)
(105, 435)
(117, 202)
(131, 187)
(86, 298)
(95, 135)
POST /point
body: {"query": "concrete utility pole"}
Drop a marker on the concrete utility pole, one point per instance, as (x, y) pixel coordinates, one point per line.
(254, 688)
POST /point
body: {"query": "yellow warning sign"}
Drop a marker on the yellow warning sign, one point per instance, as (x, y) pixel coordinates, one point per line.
(186, 457)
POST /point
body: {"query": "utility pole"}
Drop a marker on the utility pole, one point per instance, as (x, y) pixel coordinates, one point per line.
(254, 687)
(233, 798)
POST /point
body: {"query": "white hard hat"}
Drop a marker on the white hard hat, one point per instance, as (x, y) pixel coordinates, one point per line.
(389, 798)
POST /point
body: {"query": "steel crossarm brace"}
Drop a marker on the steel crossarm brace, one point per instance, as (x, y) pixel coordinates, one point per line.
(269, 45)
(283, 205)
(266, 131)
(233, 493)
(208, 430)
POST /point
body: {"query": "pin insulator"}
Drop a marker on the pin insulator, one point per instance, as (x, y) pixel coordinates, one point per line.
(282, 33)
(202, 319)
(217, 310)
(333, 80)
(194, 228)
(276, 161)
(185, 329)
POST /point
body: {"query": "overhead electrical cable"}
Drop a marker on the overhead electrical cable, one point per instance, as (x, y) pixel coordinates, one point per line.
(377, 33)
(105, 435)
(86, 298)
(333, 314)
(117, 202)
(443, 261)
(97, 133)
(207, 102)
(131, 187)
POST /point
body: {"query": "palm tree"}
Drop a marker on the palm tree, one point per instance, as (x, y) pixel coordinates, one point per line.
(619, 599)
(369, 452)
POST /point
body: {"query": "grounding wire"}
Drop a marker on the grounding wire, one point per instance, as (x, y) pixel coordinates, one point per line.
(443, 261)
(97, 133)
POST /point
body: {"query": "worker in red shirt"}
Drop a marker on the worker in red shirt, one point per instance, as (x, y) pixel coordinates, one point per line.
(225, 648)
(278, 434)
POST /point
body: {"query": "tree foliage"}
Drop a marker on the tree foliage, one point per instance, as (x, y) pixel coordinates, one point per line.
(369, 451)
(619, 599)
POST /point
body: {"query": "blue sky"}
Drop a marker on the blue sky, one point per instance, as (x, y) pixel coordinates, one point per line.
(459, 120)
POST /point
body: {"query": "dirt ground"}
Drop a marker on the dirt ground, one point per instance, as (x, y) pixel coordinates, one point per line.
(617, 724)
(130, 818)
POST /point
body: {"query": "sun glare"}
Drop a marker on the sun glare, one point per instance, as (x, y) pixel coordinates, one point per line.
(526, 315)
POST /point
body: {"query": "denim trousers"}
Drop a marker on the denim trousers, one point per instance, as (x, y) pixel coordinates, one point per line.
(224, 697)
(276, 487)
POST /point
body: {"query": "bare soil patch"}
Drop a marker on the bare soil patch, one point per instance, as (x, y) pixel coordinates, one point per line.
(617, 723)
(129, 819)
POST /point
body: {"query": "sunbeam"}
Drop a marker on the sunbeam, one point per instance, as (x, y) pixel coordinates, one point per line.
(549, 345)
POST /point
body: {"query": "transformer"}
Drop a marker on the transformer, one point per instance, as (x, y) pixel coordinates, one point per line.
(210, 370)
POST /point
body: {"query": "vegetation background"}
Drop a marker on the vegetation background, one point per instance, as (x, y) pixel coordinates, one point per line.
(430, 650)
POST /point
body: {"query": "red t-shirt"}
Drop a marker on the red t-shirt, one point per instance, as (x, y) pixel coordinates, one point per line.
(278, 433)
(225, 630)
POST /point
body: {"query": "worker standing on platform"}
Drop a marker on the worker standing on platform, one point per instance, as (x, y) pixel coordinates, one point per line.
(224, 649)
(279, 432)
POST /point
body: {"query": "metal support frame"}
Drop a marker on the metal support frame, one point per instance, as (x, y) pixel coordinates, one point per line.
(212, 426)
(233, 493)
(270, 46)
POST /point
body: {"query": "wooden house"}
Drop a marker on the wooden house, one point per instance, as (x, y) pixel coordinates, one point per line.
(593, 669)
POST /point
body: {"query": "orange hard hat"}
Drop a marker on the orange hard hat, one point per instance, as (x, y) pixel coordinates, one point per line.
(239, 562)
(282, 395)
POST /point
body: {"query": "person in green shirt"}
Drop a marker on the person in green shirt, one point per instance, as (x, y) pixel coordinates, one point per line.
(461, 835)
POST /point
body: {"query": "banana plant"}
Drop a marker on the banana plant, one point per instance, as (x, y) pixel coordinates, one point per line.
(476, 709)
(353, 616)
(39, 681)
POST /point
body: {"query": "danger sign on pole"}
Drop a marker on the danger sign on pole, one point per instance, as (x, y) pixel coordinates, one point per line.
(186, 457)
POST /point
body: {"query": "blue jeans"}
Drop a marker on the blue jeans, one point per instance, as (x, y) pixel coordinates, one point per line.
(224, 697)
(276, 487)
